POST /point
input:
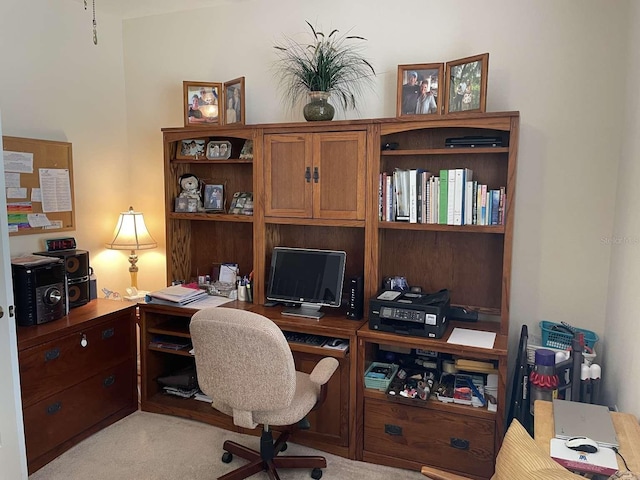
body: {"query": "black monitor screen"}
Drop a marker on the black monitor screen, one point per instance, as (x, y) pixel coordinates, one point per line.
(306, 276)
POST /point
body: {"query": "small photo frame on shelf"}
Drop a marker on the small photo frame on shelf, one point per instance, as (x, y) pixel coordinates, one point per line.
(234, 102)
(466, 84)
(191, 149)
(201, 103)
(241, 203)
(218, 150)
(419, 89)
(214, 197)
(247, 150)
(186, 205)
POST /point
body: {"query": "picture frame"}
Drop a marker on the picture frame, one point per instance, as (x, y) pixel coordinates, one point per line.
(214, 197)
(218, 150)
(466, 84)
(411, 102)
(186, 205)
(233, 94)
(192, 149)
(201, 103)
(241, 204)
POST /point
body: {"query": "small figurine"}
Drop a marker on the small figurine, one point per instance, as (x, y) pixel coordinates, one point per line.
(190, 185)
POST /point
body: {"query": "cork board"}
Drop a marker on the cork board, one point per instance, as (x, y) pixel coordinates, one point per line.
(39, 186)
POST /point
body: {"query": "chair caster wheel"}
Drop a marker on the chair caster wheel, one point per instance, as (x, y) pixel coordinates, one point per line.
(227, 457)
(284, 447)
(316, 474)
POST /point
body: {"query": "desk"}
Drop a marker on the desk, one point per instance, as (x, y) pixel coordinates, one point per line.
(626, 425)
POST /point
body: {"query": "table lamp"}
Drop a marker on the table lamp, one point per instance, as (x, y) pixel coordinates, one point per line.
(131, 234)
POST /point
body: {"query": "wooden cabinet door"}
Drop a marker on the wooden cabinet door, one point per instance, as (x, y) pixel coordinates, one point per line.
(287, 164)
(339, 165)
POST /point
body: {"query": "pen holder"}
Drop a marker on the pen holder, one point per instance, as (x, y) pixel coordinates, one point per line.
(242, 293)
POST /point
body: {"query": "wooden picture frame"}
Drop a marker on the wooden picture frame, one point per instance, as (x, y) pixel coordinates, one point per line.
(466, 84)
(410, 100)
(201, 103)
(213, 198)
(192, 149)
(233, 94)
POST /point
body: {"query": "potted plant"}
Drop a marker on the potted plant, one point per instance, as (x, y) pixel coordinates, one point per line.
(327, 65)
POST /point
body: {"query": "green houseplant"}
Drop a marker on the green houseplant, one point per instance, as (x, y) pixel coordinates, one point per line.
(327, 65)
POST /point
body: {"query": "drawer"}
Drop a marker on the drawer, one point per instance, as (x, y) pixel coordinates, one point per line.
(56, 365)
(445, 440)
(60, 417)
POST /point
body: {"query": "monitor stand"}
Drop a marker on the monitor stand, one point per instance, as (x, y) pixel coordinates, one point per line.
(306, 310)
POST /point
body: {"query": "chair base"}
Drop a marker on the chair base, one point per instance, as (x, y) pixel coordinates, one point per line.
(268, 461)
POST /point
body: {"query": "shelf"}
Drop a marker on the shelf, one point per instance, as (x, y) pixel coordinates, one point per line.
(436, 227)
(211, 217)
(314, 222)
(176, 328)
(206, 161)
(445, 151)
(182, 353)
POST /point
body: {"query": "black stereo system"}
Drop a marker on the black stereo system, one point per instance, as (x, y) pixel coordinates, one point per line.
(355, 306)
(39, 291)
(76, 263)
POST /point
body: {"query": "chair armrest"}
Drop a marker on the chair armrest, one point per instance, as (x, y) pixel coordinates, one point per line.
(323, 370)
(435, 474)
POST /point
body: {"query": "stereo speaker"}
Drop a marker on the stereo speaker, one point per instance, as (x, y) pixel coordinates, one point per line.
(356, 298)
(76, 263)
(39, 292)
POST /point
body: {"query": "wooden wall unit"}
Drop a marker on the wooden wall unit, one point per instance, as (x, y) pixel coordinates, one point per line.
(340, 211)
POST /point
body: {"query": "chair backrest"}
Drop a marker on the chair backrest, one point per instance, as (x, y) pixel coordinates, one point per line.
(242, 359)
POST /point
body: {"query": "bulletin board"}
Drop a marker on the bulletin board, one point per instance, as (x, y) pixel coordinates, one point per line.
(39, 186)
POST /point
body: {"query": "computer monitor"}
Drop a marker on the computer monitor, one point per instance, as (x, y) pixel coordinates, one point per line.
(310, 278)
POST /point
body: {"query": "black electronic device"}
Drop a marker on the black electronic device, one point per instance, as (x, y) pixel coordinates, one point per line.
(473, 142)
(76, 263)
(409, 313)
(56, 244)
(39, 291)
(356, 298)
(308, 278)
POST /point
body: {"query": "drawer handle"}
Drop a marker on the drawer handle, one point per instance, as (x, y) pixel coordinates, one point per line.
(459, 443)
(110, 380)
(392, 429)
(307, 174)
(54, 408)
(51, 354)
(108, 333)
(316, 176)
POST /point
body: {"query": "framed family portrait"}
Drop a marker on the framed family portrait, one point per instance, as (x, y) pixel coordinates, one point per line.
(191, 149)
(234, 102)
(201, 103)
(419, 88)
(466, 81)
(214, 197)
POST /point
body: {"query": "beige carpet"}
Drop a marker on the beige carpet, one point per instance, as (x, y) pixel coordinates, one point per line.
(148, 446)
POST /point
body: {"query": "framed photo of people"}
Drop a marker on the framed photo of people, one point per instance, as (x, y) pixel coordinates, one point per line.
(419, 87)
(214, 197)
(201, 103)
(191, 149)
(234, 102)
(466, 84)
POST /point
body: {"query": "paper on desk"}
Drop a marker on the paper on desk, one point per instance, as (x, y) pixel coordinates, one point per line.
(472, 338)
(209, 301)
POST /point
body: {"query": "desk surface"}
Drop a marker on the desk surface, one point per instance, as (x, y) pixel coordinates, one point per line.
(626, 425)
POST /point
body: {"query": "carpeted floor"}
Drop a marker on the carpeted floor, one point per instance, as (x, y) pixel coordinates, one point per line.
(148, 446)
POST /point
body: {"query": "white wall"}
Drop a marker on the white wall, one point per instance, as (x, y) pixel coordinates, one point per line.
(555, 62)
(623, 315)
(57, 85)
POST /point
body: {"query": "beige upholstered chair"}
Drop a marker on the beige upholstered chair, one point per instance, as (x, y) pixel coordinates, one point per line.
(245, 365)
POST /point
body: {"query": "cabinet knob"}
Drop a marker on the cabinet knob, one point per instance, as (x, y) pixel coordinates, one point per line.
(110, 380)
(54, 408)
(392, 429)
(316, 175)
(459, 443)
(307, 174)
(83, 341)
(51, 354)
(108, 333)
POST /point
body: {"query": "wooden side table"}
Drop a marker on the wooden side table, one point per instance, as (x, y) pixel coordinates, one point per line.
(625, 424)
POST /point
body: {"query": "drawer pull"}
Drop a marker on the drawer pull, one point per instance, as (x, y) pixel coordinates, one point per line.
(108, 333)
(110, 380)
(460, 443)
(392, 429)
(54, 408)
(51, 354)
(83, 341)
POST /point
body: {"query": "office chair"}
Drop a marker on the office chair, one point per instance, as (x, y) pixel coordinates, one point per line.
(245, 365)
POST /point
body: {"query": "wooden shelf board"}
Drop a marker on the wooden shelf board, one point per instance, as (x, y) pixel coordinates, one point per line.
(446, 151)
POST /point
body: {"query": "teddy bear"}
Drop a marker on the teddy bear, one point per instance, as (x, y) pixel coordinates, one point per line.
(190, 188)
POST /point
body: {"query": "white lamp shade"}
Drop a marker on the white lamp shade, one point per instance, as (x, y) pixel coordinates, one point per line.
(131, 233)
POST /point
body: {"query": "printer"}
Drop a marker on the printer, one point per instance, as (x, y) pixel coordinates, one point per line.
(410, 313)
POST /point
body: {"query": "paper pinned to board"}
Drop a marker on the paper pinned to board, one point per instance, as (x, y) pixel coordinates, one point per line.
(472, 338)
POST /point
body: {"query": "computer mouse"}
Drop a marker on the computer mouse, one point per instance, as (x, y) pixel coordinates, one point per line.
(582, 444)
(336, 342)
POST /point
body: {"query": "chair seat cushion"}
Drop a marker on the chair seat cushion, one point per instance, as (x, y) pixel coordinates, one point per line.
(304, 399)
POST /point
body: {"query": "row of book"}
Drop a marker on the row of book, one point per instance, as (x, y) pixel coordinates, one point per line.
(452, 198)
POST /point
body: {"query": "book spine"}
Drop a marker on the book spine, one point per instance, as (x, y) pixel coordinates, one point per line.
(495, 207)
(451, 189)
(380, 197)
(501, 213)
(484, 205)
(458, 197)
(474, 213)
(390, 198)
(443, 197)
(413, 196)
